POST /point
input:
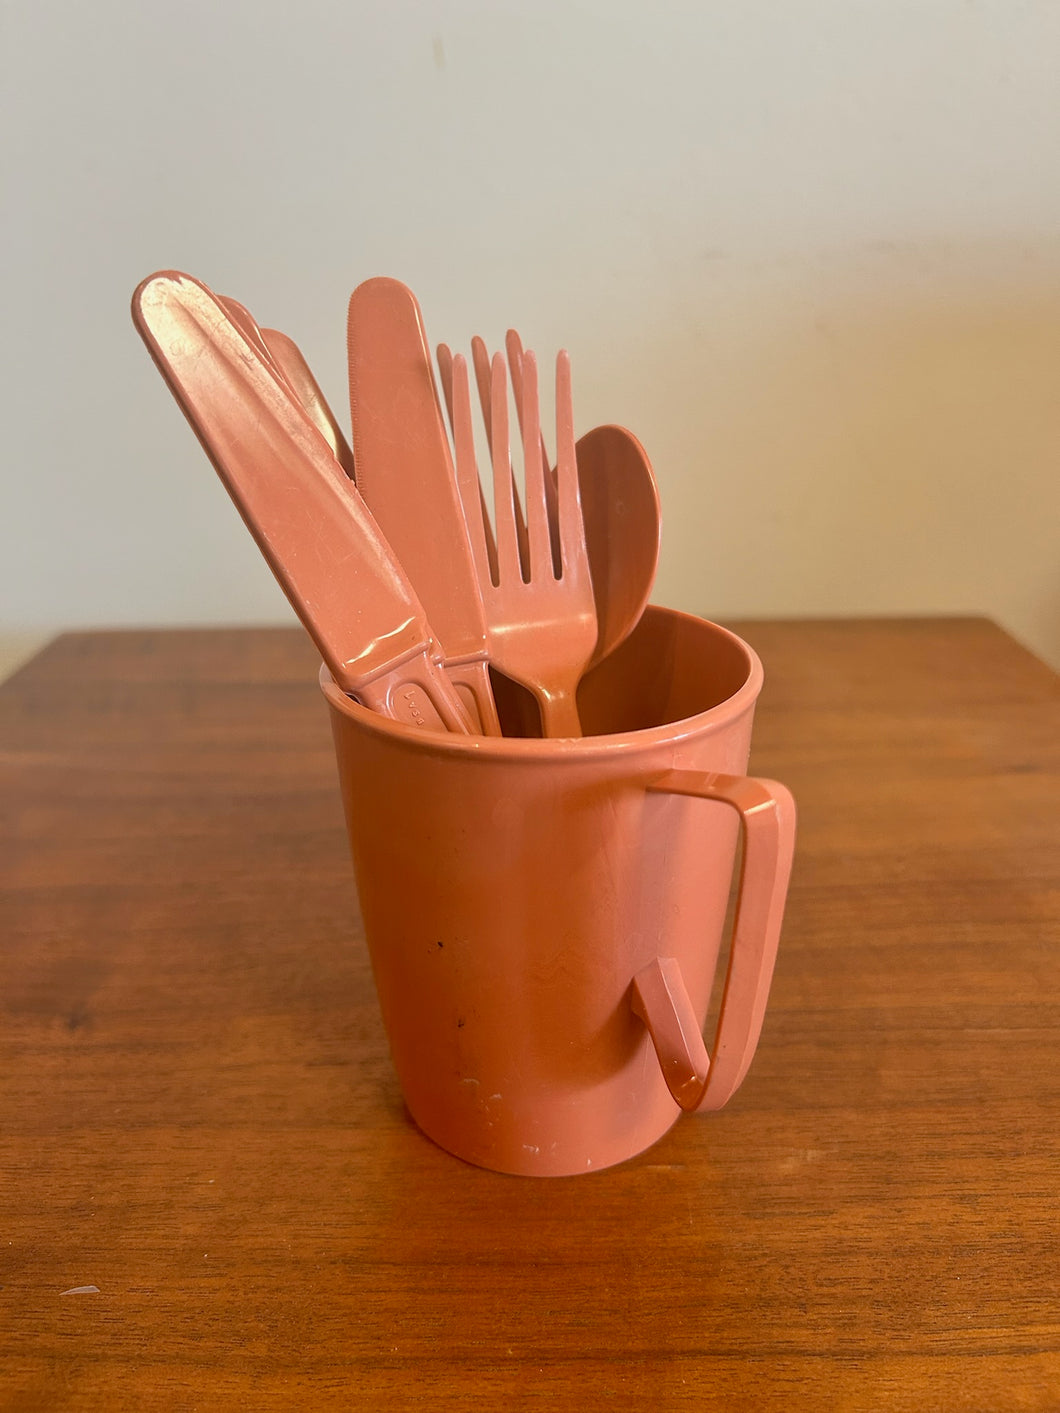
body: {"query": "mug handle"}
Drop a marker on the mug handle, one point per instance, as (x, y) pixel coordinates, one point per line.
(698, 1079)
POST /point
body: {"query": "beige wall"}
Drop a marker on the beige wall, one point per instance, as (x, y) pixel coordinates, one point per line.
(809, 253)
(887, 428)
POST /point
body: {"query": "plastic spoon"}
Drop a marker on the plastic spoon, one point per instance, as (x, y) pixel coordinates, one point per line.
(336, 569)
(620, 504)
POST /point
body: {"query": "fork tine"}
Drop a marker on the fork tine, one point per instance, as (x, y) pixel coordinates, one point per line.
(467, 489)
(573, 556)
(444, 355)
(508, 558)
(458, 398)
(514, 344)
(534, 471)
(484, 378)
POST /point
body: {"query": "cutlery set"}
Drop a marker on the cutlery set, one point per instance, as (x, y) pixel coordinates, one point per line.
(537, 928)
(424, 604)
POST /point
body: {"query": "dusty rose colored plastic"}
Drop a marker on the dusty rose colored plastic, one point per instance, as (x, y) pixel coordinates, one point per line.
(289, 358)
(306, 516)
(405, 474)
(285, 359)
(247, 325)
(538, 910)
(467, 477)
(542, 624)
(620, 510)
(620, 506)
(513, 345)
(697, 1079)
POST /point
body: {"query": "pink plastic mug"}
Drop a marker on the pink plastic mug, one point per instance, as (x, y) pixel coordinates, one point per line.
(544, 917)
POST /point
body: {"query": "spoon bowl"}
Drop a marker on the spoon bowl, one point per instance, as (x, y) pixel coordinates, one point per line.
(620, 506)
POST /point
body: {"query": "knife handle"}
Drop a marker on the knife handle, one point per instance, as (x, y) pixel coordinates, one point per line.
(418, 693)
(473, 687)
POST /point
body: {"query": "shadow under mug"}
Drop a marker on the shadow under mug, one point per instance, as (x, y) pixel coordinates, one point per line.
(545, 917)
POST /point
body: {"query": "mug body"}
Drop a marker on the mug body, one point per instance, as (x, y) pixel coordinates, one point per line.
(511, 889)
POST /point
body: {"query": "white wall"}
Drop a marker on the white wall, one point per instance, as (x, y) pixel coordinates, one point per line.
(810, 253)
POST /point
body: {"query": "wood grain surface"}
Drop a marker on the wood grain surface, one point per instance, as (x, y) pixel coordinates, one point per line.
(198, 1118)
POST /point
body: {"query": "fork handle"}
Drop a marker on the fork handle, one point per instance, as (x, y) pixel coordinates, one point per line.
(559, 709)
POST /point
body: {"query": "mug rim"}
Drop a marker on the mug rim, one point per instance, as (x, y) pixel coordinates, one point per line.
(549, 748)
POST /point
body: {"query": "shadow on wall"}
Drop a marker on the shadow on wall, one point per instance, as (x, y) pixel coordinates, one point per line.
(861, 437)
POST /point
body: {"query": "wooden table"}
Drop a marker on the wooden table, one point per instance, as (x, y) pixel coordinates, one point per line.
(199, 1124)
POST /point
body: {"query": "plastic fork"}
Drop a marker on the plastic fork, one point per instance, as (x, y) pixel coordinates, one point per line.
(540, 611)
(620, 510)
